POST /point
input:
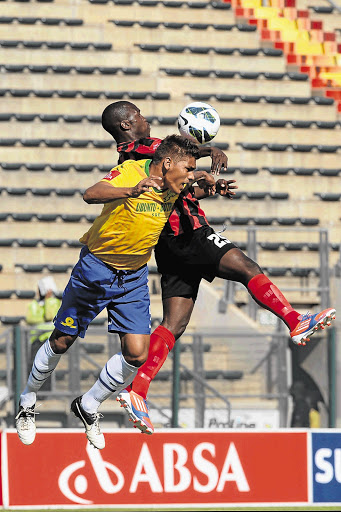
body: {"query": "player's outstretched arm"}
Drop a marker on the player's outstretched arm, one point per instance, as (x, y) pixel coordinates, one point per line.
(101, 192)
(218, 157)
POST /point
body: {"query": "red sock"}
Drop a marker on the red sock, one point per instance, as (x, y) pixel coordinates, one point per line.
(270, 297)
(161, 343)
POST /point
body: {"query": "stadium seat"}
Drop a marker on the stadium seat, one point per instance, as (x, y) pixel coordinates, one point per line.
(252, 122)
(303, 171)
(328, 196)
(17, 191)
(272, 52)
(248, 170)
(56, 45)
(322, 148)
(281, 171)
(224, 51)
(6, 294)
(84, 167)
(7, 242)
(11, 320)
(294, 246)
(11, 166)
(329, 172)
(275, 99)
(313, 246)
(26, 118)
(327, 125)
(298, 100)
(41, 191)
(247, 98)
(301, 272)
(251, 146)
(29, 267)
(4, 216)
(239, 221)
(60, 167)
(263, 221)
(220, 73)
(303, 148)
(58, 268)
(279, 196)
(276, 123)
(277, 147)
(298, 77)
(74, 243)
(309, 221)
(301, 124)
(270, 246)
(52, 243)
(47, 217)
(25, 294)
(287, 221)
(23, 217)
(66, 192)
(256, 195)
(71, 217)
(276, 271)
(8, 142)
(28, 242)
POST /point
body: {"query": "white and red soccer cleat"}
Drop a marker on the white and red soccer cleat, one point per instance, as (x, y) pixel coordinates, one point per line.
(137, 410)
(308, 324)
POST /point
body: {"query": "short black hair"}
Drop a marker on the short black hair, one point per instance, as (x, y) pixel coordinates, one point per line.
(176, 147)
(114, 114)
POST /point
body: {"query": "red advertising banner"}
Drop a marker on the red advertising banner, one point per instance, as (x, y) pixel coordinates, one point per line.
(170, 467)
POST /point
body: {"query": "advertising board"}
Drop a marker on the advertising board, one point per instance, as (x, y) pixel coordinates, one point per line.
(170, 467)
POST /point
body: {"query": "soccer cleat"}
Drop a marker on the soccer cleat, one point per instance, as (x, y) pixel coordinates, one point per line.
(308, 324)
(137, 410)
(90, 422)
(25, 424)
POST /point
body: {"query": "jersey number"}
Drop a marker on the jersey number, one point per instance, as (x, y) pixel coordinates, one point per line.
(219, 242)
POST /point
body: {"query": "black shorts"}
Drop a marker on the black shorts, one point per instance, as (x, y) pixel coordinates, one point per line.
(184, 260)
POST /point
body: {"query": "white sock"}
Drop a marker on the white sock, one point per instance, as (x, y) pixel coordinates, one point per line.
(44, 363)
(113, 377)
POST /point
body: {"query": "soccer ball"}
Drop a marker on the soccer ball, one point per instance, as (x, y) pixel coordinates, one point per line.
(199, 122)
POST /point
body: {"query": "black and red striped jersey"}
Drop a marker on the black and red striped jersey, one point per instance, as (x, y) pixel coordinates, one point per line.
(187, 215)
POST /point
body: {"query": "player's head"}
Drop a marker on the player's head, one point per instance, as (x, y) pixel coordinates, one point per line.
(123, 120)
(177, 156)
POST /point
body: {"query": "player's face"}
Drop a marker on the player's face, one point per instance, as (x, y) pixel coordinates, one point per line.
(139, 125)
(179, 173)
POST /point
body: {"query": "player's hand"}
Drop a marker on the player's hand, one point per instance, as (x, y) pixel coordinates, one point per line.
(226, 187)
(219, 161)
(207, 183)
(145, 185)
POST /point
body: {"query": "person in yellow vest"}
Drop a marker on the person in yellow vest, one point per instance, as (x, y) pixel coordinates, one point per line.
(40, 315)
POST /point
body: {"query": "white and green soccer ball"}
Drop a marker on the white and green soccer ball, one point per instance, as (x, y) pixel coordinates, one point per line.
(199, 122)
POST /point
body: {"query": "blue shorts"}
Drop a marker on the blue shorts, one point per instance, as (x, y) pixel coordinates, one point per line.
(93, 286)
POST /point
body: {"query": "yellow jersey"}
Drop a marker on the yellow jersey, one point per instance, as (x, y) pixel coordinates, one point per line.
(124, 234)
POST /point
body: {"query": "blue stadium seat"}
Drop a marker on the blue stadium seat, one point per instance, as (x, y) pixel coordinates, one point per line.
(5, 117)
(60, 167)
(66, 192)
(79, 143)
(251, 146)
(26, 118)
(62, 69)
(17, 191)
(251, 122)
(84, 167)
(224, 50)
(56, 45)
(269, 75)
(71, 217)
(8, 142)
(298, 77)
(79, 46)
(272, 52)
(200, 49)
(55, 143)
(298, 100)
(7, 242)
(14, 68)
(247, 98)
(149, 24)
